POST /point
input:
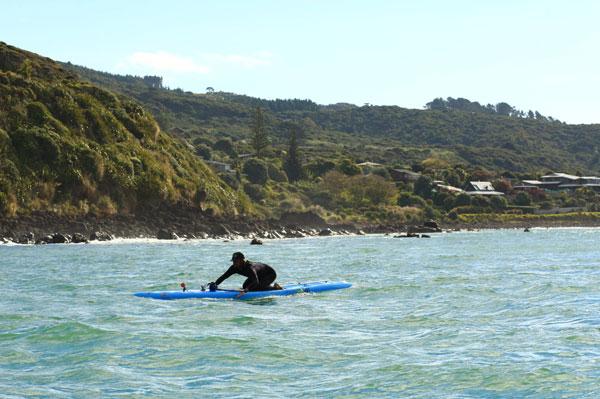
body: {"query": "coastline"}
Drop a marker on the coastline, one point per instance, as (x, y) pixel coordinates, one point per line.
(39, 227)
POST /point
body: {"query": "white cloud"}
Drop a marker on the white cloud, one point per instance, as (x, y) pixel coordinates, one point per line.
(161, 61)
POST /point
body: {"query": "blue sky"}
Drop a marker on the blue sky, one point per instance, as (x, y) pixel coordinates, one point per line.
(539, 55)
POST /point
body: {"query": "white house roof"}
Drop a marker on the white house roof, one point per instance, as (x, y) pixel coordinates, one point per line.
(561, 175)
(450, 188)
(368, 163)
(482, 186)
(532, 182)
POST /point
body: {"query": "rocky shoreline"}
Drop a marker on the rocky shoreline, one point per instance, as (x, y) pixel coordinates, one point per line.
(48, 228)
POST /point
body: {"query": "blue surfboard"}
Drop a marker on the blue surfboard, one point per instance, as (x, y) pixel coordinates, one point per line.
(289, 289)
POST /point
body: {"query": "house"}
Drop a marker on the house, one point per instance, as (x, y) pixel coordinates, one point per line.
(481, 188)
(220, 166)
(448, 189)
(404, 175)
(368, 167)
(561, 181)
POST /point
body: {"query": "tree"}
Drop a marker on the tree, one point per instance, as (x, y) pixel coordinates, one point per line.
(423, 187)
(260, 140)
(293, 162)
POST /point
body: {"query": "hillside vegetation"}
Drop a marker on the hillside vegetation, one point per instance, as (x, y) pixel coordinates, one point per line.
(71, 147)
(456, 131)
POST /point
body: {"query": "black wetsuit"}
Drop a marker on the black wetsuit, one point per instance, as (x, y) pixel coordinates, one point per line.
(260, 276)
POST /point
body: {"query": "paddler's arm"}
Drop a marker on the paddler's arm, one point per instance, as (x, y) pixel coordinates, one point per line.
(225, 275)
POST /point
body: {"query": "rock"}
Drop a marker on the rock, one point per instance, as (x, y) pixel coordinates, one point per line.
(100, 236)
(256, 241)
(309, 218)
(58, 238)
(166, 235)
(432, 224)
(360, 233)
(28, 238)
(79, 238)
(326, 232)
(423, 229)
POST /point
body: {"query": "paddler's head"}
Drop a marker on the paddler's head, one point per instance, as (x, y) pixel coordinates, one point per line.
(238, 259)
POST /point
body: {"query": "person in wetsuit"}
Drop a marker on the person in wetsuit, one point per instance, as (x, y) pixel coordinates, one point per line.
(259, 275)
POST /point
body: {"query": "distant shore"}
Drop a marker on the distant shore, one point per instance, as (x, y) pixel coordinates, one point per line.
(40, 227)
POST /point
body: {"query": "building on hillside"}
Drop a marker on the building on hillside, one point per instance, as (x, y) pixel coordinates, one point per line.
(404, 175)
(448, 189)
(220, 166)
(368, 167)
(481, 188)
(561, 181)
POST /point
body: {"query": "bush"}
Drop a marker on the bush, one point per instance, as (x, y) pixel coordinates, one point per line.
(349, 168)
(36, 146)
(498, 202)
(231, 180)
(480, 201)
(522, 199)
(462, 200)
(204, 151)
(254, 191)
(409, 199)
(225, 145)
(320, 167)
(383, 172)
(256, 171)
(276, 174)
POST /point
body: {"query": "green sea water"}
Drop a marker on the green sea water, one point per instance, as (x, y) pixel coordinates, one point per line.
(491, 314)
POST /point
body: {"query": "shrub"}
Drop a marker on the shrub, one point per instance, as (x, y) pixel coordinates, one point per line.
(462, 199)
(349, 168)
(255, 191)
(231, 180)
(383, 172)
(225, 145)
(498, 202)
(320, 167)
(36, 146)
(522, 199)
(256, 171)
(276, 174)
(203, 151)
(409, 199)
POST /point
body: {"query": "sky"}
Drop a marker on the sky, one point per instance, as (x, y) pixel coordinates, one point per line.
(533, 54)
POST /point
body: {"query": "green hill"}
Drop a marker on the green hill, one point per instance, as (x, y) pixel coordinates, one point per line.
(73, 148)
(457, 131)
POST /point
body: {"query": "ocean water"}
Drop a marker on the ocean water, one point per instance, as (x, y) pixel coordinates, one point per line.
(491, 314)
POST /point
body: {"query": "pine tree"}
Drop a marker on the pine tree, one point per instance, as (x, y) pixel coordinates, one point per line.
(293, 162)
(260, 141)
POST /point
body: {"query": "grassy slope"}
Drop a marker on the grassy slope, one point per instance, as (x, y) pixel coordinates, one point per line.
(72, 147)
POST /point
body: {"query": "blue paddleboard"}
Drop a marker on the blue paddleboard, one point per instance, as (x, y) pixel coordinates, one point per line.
(290, 289)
